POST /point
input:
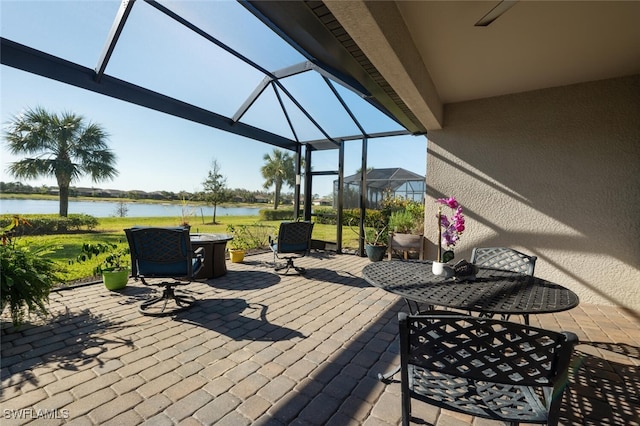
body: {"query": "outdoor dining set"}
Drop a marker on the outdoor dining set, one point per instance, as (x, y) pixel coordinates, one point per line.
(459, 347)
(466, 360)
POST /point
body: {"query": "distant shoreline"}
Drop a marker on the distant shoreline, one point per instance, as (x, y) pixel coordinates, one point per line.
(125, 200)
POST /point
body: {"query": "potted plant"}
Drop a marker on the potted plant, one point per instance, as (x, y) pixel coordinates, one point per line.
(402, 222)
(407, 228)
(27, 275)
(114, 268)
(239, 245)
(449, 231)
(375, 238)
(375, 241)
(186, 212)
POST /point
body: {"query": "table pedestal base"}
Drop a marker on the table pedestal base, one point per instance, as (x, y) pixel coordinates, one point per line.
(215, 262)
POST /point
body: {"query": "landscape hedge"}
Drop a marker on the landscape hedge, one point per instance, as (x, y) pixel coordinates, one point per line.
(51, 224)
(327, 216)
(280, 214)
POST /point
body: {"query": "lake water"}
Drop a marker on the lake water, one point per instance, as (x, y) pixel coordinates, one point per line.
(109, 208)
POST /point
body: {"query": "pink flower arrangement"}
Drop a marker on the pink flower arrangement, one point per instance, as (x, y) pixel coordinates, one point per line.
(449, 228)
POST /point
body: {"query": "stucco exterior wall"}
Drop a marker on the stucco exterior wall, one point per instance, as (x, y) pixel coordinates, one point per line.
(554, 173)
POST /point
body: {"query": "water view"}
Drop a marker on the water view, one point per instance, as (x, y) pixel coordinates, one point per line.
(110, 208)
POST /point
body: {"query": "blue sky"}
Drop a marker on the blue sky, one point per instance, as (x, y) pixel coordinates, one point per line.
(156, 151)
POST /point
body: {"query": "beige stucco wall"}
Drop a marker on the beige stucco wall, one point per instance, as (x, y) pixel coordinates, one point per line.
(554, 173)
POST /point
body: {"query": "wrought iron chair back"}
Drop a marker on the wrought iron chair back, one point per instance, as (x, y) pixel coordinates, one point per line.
(294, 241)
(504, 258)
(483, 367)
(165, 254)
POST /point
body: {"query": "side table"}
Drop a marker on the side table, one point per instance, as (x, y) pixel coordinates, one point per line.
(215, 245)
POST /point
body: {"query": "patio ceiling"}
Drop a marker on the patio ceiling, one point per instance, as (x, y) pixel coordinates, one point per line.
(416, 56)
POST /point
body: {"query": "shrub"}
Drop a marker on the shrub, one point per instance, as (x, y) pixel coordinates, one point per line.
(117, 258)
(51, 224)
(250, 236)
(325, 215)
(401, 221)
(404, 216)
(350, 217)
(281, 214)
(27, 275)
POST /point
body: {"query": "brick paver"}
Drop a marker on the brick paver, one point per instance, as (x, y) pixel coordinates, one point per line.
(260, 348)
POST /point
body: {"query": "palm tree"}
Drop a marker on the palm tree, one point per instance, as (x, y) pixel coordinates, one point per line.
(59, 145)
(279, 169)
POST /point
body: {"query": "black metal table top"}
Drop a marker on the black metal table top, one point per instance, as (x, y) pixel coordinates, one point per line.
(493, 291)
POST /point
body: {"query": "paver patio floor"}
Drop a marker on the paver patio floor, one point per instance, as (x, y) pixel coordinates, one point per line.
(264, 349)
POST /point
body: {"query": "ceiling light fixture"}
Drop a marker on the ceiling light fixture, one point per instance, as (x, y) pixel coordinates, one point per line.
(495, 13)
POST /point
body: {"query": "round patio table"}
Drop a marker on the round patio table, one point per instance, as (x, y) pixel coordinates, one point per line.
(494, 291)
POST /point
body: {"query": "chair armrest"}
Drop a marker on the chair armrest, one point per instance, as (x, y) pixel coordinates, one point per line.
(571, 337)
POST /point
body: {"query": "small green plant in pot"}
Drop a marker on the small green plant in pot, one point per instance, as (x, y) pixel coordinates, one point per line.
(402, 221)
(376, 239)
(114, 267)
(376, 236)
(406, 225)
(240, 243)
(408, 218)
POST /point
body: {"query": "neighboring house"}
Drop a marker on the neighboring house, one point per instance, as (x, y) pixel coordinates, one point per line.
(112, 193)
(157, 195)
(137, 194)
(83, 192)
(322, 202)
(393, 182)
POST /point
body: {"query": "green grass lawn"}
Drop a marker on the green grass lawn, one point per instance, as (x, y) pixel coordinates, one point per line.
(111, 230)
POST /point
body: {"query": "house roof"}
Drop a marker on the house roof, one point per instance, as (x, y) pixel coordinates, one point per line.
(381, 178)
(392, 173)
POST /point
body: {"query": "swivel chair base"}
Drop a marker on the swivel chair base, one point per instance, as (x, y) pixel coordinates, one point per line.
(289, 265)
(171, 302)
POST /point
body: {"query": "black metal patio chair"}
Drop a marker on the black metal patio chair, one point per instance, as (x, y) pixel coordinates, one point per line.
(293, 242)
(504, 258)
(507, 259)
(163, 257)
(483, 367)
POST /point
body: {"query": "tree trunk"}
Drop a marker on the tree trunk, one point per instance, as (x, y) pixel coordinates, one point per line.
(214, 213)
(64, 200)
(276, 198)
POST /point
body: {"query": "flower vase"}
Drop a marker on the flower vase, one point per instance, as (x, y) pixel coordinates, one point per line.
(442, 269)
(437, 268)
